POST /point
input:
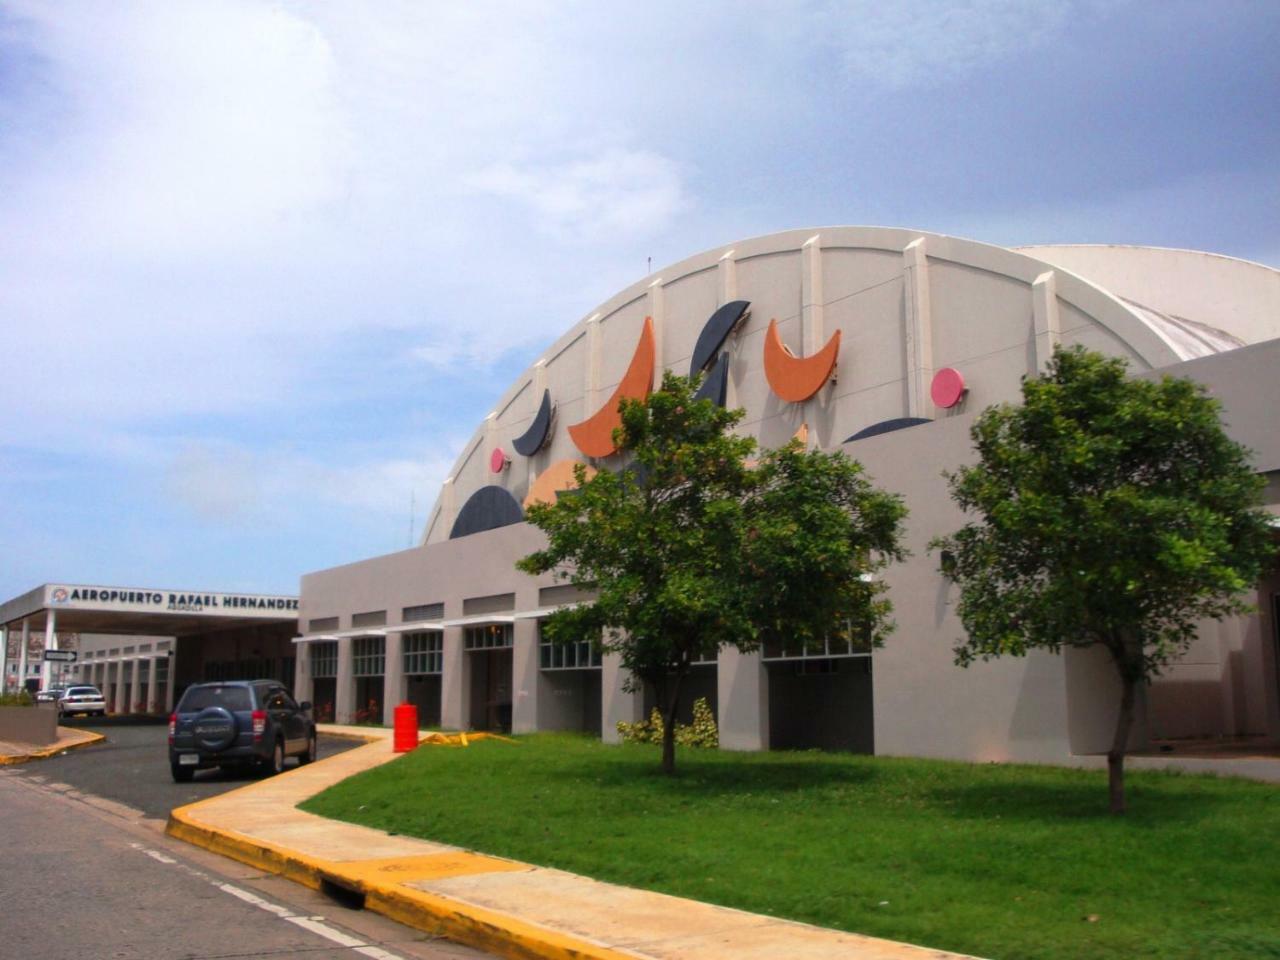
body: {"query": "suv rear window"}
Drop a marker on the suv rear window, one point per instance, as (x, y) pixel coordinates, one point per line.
(232, 698)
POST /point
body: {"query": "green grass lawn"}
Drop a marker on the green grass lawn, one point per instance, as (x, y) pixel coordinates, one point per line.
(999, 861)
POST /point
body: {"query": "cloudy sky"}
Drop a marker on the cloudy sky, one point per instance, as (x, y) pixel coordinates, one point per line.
(264, 267)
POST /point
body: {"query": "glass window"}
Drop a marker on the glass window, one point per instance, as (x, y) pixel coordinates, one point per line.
(567, 656)
(231, 698)
(424, 652)
(324, 659)
(489, 637)
(369, 656)
(828, 648)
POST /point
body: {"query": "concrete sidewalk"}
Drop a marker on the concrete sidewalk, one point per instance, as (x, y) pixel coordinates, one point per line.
(68, 739)
(508, 908)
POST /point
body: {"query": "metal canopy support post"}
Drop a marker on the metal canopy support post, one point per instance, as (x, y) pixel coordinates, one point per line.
(22, 654)
(50, 643)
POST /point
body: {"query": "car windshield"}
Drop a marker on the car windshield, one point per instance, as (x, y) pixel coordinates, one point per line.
(232, 698)
(83, 692)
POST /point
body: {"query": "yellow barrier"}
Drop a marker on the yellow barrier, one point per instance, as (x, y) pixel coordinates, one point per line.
(459, 739)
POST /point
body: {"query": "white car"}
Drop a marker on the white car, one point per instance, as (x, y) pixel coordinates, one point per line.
(87, 700)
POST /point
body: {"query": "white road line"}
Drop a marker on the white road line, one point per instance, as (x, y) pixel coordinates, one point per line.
(377, 953)
(257, 901)
(313, 924)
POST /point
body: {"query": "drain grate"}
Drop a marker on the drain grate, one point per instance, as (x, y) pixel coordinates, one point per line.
(341, 894)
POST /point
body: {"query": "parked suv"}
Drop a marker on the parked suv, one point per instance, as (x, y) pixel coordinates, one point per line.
(239, 722)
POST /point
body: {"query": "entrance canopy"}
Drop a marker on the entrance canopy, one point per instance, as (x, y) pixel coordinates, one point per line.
(79, 608)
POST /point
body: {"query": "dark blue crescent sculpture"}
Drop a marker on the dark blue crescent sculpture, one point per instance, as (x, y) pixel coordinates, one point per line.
(716, 383)
(714, 332)
(887, 426)
(531, 441)
(487, 509)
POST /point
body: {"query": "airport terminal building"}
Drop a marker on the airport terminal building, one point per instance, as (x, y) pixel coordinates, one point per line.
(884, 343)
(143, 645)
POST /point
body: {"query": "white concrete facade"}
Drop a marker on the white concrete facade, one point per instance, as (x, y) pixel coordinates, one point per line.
(907, 305)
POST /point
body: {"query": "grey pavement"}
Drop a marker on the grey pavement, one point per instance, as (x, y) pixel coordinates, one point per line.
(131, 766)
(85, 878)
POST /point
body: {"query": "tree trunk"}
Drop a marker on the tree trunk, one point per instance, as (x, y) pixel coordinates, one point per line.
(1115, 757)
(669, 724)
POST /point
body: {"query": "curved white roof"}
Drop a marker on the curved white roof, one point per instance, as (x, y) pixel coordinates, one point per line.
(1202, 302)
(906, 304)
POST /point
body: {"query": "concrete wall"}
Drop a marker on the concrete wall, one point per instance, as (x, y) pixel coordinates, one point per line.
(33, 725)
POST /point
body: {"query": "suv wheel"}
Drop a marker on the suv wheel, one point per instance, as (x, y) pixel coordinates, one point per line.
(181, 774)
(310, 755)
(275, 764)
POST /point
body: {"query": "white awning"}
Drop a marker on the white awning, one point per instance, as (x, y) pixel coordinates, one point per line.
(541, 612)
(416, 625)
(479, 620)
(340, 635)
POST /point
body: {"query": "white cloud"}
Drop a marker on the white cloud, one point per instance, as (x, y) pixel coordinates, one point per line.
(619, 192)
(233, 484)
(926, 42)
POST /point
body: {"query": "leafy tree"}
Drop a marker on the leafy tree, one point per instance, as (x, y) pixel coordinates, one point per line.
(1111, 512)
(693, 546)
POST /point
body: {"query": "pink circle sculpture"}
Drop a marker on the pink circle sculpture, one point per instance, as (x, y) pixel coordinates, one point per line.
(948, 387)
(498, 460)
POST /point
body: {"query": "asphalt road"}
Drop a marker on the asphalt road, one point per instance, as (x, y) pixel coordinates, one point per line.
(132, 767)
(88, 878)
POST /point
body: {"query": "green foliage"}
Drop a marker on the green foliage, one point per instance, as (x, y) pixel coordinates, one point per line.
(1111, 511)
(693, 547)
(20, 698)
(701, 733)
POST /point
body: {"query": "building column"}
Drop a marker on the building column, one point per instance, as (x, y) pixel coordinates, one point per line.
(169, 678)
(393, 688)
(153, 698)
(122, 694)
(455, 682)
(345, 694)
(525, 676)
(135, 685)
(22, 654)
(303, 683)
(50, 643)
(742, 693)
(4, 663)
(615, 703)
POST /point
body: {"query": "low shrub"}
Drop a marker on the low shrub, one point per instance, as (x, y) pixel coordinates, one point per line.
(20, 698)
(701, 733)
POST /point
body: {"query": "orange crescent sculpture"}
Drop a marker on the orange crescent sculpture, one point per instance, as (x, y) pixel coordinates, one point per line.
(559, 476)
(594, 436)
(793, 378)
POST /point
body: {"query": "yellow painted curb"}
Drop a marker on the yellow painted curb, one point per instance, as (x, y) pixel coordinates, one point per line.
(432, 913)
(10, 760)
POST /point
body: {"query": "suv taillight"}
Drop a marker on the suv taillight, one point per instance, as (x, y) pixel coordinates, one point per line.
(259, 724)
(173, 727)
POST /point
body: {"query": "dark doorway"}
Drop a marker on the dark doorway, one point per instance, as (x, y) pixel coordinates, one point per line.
(324, 691)
(491, 680)
(821, 704)
(423, 691)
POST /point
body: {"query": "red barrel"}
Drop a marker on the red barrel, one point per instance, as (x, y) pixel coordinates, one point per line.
(406, 728)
